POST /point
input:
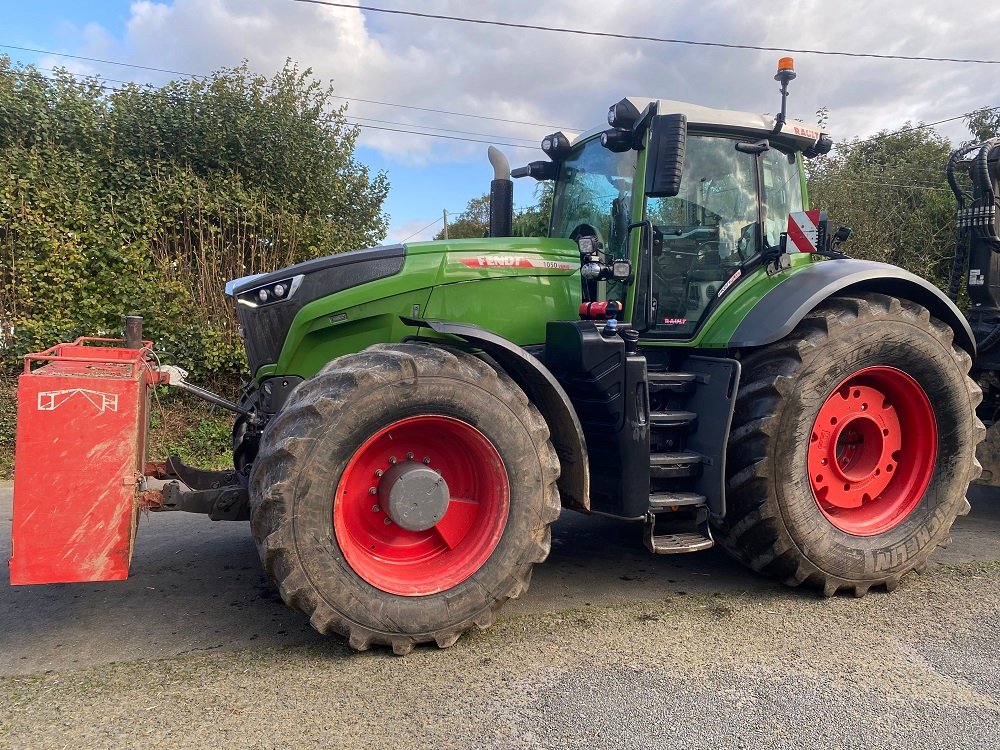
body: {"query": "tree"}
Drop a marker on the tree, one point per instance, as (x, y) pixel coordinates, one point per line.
(984, 123)
(533, 221)
(474, 221)
(148, 200)
(891, 190)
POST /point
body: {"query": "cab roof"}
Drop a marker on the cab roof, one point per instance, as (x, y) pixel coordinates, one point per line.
(797, 134)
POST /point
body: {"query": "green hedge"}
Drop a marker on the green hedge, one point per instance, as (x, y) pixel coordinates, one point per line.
(147, 200)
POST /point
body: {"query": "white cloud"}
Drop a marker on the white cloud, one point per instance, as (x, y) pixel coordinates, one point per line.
(568, 80)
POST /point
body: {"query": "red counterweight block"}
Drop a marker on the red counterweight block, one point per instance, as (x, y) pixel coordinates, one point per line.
(81, 431)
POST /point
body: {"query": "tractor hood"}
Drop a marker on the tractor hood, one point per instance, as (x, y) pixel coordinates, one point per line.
(267, 303)
(296, 320)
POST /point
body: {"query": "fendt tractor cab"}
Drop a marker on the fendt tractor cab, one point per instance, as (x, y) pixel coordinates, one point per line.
(687, 350)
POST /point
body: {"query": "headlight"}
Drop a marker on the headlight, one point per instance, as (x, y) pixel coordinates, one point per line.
(269, 294)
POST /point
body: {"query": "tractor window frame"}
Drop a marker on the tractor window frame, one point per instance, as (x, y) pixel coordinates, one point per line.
(713, 282)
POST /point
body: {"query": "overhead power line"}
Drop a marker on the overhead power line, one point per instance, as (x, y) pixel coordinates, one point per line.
(35, 74)
(641, 38)
(434, 127)
(922, 126)
(102, 61)
(199, 76)
(423, 229)
(879, 183)
(490, 140)
(459, 114)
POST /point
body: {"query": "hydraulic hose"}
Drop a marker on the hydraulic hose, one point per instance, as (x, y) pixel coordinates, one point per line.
(987, 195)
(990, 341)
(984, 194)
(955, 157)
(958, 265)
(961, 256)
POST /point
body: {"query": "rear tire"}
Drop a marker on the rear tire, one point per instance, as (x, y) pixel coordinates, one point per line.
(346, 552)
(852, 448)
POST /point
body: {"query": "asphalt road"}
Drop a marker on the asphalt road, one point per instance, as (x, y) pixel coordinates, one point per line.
(611, 647)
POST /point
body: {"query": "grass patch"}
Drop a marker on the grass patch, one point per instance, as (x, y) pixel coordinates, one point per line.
(198, 432)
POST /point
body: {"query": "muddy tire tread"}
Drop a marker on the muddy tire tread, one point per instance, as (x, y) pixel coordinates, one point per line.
(283, 464)
(754, 530)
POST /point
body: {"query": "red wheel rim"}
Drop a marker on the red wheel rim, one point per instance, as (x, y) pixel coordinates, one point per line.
(872, 451)
(475, 504)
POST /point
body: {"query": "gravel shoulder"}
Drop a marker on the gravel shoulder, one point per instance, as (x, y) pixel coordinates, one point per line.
(746, 669)
(611, 648)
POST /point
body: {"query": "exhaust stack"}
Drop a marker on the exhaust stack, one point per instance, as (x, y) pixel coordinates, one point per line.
(501, 195)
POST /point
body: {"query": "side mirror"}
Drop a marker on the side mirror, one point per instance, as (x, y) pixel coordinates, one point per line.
(753, 148)
(665, 155)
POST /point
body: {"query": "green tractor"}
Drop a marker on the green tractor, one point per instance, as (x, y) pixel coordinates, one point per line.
(688, 350)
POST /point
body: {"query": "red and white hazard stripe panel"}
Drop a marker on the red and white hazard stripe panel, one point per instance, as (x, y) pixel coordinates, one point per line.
(804, 230)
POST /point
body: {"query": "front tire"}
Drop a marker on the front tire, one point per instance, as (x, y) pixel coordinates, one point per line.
(403, 494)
(852, 448)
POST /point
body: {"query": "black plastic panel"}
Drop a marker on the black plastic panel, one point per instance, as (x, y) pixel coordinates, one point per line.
(714, 399)
(608, 390)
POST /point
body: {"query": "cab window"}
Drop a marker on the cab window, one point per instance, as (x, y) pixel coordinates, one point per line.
(593, 196)
(782, 192)
(709, 229)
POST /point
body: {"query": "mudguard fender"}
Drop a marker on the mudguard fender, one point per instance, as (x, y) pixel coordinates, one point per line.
(544, 391)
(779, 311)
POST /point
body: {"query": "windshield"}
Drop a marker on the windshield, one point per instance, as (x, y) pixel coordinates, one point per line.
(593, 195)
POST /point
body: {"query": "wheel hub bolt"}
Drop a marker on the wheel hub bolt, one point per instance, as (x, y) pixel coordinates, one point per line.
(409, 456)
(388, 521)
(372, 491)
(375, 509)
(427, 459)
(379, 472)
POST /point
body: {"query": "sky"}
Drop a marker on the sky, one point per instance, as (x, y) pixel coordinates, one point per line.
(511, 87)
